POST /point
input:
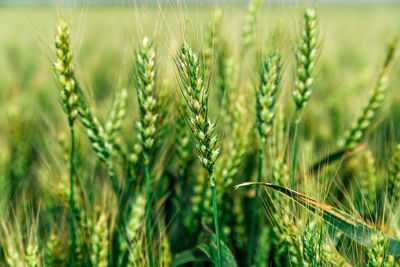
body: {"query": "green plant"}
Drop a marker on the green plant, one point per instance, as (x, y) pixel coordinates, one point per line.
(196, 95)
(348, 214)
(306, 59)
(378, 95)
(99, 242)
(147, 127)
(70, 101)
(265, 99)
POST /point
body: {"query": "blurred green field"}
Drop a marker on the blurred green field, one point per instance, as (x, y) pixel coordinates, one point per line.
(353, 42)
(34, 130)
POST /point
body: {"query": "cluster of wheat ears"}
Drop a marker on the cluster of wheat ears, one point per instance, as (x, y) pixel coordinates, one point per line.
(168, 198)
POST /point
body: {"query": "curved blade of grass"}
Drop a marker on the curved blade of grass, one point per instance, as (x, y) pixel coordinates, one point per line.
(209, 248)
(206, 250)
(351, 227)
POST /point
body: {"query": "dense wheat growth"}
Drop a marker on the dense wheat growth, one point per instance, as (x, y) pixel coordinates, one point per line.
(194, 134)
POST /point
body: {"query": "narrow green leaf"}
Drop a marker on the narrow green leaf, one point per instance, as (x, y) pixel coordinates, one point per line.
(206, 250)
(351, 227)
(209, 248)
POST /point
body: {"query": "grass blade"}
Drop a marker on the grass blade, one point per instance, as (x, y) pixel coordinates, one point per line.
(351, 227)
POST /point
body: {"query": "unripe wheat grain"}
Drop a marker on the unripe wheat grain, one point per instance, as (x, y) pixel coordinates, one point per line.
(363, 122)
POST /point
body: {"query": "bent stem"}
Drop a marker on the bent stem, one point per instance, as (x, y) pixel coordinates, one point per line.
(71, 196)
(148, 215)
(216, 223)
(295, 144)
(254, 207)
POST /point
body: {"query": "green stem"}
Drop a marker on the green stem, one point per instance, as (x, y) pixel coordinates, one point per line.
(295, 143)
(120, 218)
(148, 215)
(216, 223)
(254, 208)
(181, 196)
(71, 197)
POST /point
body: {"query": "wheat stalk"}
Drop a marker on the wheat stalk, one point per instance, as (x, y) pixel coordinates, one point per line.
(70, 100)
(265, 103)
(114, 124)
(305, 58)
(147, 127)
(196, 95)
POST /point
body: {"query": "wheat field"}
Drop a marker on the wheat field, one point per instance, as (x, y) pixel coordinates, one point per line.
(200, 134)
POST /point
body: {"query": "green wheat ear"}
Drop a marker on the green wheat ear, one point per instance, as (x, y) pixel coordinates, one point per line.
(376, 255)
(363, 122)
(70, 98)
(65, 72)
(306, 58)
(266, 95)
(265, 103)
(147, 95)
(195, 95)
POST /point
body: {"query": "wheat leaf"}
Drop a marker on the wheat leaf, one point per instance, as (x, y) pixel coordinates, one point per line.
(206, 250)
(351, 227)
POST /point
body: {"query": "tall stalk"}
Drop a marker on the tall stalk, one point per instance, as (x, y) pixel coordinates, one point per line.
(216, 221)
(195, 96)
(147, 208)
(69, 101)
(305, 59)
(254, 208)
(265, 107)
(295, 145)
(149, 118)
(71, 197)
